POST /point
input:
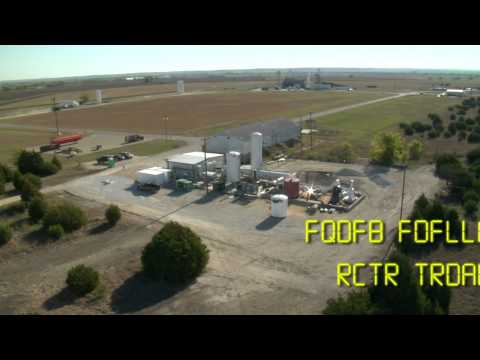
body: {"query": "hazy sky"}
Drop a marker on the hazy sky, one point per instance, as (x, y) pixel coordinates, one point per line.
(29, 62)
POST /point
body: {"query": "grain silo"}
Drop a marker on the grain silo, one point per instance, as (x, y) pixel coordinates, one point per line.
(256, 141)
(99, 96)
(279, 206)
(233, 167)
(180, 87)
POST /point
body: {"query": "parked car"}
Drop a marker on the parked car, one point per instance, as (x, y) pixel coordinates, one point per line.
(133, 138)
(118, 157)
(126, 155)
(104, 160)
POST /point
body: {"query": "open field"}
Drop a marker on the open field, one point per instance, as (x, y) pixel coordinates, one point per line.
(403, 82)
(127, 91)
(359, 125)
(201, 113)
(12, 140)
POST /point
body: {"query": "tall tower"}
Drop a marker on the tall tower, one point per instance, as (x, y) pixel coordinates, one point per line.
(180, 87)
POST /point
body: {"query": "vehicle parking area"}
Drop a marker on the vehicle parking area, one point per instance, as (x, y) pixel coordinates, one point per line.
(257, 262)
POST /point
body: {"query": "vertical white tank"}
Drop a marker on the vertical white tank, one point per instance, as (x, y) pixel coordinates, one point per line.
(256, 142)
(180, 87)
(233, 167)
(99, 96)
(279, 206)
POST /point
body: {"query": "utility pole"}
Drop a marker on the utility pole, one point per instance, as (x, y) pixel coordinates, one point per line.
(56, 115)
(311, 130)
(403, 190)
(205, 162)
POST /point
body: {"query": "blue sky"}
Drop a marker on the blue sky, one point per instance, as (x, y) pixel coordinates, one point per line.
(30, 62)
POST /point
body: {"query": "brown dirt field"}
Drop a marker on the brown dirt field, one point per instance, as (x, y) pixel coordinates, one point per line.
(199, 112)
(126, 91)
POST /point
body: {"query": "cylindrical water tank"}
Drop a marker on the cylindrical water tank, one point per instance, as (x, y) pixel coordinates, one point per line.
(233, 167)
(279, 206)
(99, 96)
(256, 150)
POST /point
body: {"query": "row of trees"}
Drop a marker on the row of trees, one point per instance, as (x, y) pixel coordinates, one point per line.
(390, 148)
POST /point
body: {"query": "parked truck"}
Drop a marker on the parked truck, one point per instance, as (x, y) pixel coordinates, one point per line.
(133, 138)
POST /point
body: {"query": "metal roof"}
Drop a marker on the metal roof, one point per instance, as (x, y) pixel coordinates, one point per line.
(154, 171)
(193, 158)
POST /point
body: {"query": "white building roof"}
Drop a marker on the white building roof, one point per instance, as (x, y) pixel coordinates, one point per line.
(154, 171)
(193, 158)
(455, 90)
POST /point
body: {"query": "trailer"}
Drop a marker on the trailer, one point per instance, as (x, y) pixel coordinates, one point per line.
(60, 140)
(133, 138)
(156, 176)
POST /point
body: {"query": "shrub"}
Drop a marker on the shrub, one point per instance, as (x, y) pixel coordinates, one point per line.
(47, 169)
(432, 134)
(6, 173)
(82, 279)
(37, 209)
(408, 131)
(29, 162)
(474, 138)
(56, 231)
(57, 163)
(356, 303)
(471, 195)
(462, 135)
(473, 155)
(18, 181)
(470, 208)
(29, 191)
(470, 121)
(68, 215)
(113, 214)
(447, 134)
(2, 186)
(175, 255)
(5, 234)
(15, 208)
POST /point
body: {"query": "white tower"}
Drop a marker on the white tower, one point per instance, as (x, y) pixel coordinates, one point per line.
(180, 87)
(99, 96)
(256, 142)
(233, 167)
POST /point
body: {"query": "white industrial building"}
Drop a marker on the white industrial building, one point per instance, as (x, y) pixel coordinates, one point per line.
(99, 96)
(180, 87)
(192, 165)
(455, 92)
(239, 139)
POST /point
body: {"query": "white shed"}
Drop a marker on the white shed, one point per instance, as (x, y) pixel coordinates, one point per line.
(153, 176)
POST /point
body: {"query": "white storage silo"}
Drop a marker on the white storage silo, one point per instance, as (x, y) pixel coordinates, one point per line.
(180, 87)
(256, 141)
(99, 96)
(279, 206)
(233, 167)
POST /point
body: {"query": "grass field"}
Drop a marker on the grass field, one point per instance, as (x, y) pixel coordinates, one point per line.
(12, 140)
(200, 114)
(358, 126)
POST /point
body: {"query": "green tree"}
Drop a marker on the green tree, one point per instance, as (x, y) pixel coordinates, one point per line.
(387, 148)
(113, 214)
(415, 149)
(68, 215)
(6, 173)
(57, 163)
(471, 208)
(82, 279)
(84, 98)
(5, 234)
(37, 209)
(342, 153)
(56, 231)
(29, 191)
(175, 255)
(354, 303)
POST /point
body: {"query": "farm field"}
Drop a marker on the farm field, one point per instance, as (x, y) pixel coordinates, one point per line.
(127, 91)
(200, 114)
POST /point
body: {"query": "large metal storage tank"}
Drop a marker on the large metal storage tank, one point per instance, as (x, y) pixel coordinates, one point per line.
(233, 167)
(279, 206)
(292, 187)
(99, 96)
(256, 150)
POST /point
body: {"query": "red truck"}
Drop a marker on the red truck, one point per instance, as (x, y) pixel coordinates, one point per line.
(60, 140)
